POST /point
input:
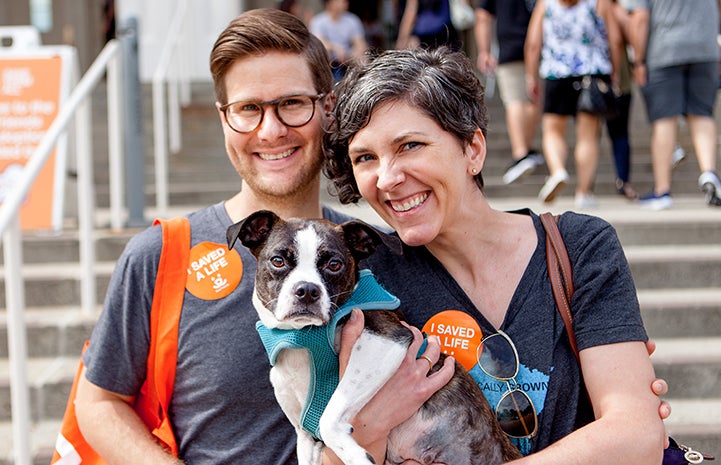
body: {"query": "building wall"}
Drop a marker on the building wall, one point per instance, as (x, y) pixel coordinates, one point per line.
(74, 22)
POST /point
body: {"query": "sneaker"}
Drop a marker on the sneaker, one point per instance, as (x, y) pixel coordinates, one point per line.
(677, 157)
(586, 202)
(711, 186)
(656, 202)
(522, 167)
(553, 185)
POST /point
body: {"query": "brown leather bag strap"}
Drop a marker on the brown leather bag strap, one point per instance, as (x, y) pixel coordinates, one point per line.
(560, 272)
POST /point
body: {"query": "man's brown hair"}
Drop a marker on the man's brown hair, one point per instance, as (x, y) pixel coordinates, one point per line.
(262, 30)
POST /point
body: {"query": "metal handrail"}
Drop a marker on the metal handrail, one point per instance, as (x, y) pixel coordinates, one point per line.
(76, 105)
(178, 93)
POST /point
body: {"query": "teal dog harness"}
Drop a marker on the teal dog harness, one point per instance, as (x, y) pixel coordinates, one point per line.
(319, 342)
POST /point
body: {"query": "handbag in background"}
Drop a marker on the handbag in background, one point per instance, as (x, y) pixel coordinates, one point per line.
(597, 97)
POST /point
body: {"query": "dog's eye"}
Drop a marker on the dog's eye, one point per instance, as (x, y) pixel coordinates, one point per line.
(334, 264)
(277, 261)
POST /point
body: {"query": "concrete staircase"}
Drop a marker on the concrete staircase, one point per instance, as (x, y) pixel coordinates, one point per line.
(675, 258)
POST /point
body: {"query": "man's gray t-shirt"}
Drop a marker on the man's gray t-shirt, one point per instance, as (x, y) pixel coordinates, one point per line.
(604, 306)
(223, 407)
(679, 32)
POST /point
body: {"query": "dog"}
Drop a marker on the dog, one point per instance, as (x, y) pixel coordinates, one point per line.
(306, 271)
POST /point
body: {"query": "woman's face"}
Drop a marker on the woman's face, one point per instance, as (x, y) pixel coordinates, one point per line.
(414, 173)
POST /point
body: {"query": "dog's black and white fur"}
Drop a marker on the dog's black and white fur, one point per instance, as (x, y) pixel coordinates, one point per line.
(307, 269)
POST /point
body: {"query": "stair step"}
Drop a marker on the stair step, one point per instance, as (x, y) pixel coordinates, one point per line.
(49, 382)
(674, 313)
(53, 331)
(51, 284)
(42, 441)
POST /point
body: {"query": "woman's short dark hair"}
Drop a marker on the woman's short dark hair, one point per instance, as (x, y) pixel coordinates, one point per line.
(439, 82)
(262, 30)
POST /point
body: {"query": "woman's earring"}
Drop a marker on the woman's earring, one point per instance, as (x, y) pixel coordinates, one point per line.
(474, 171)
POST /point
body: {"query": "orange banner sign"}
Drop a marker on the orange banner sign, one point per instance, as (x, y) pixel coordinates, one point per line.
(31, 89)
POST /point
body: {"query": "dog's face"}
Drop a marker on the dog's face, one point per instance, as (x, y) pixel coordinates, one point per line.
(306, 268)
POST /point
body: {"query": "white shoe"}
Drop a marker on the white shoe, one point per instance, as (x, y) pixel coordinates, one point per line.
(711, 186)
(522, 167)
(586, 201)
(553, 185)
(677, 157)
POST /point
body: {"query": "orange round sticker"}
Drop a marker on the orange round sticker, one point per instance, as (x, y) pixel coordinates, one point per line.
(214, 271)
(459, 333)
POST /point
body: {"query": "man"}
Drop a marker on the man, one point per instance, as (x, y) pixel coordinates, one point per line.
(223, 407)
(676, 61)
(522, 113)
(342, 33)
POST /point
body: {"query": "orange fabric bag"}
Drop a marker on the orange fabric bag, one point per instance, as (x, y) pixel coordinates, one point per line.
(153, 401)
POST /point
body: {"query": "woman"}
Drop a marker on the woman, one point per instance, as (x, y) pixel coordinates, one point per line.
(409, 137)
(573, 39)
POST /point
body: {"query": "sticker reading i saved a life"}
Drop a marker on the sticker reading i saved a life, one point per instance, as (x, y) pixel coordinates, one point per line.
(214, 271)
(459, 333)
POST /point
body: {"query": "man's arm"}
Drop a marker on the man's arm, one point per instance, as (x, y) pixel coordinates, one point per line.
(112, 427)
(532, 51)
(486, 63)
(638, 37)
(408, 20)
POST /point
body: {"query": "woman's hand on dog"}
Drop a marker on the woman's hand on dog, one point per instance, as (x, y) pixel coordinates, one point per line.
(402, 395)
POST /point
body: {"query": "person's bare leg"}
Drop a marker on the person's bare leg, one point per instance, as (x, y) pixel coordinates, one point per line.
(586, 152)
(555, 150)
(515, 121)
(703, 136)
(531, 119)
(663, 141)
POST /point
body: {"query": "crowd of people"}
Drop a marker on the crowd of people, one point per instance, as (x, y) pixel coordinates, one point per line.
(406, 131)
(539, 69)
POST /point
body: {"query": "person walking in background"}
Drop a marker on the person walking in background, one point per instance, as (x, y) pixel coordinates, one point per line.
(295, 8)
(522, 114)
(618, 126)
(427, 23)
(676, 63)
(342, 34)
(571, 39)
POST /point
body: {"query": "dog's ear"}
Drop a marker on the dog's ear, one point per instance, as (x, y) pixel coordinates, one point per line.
(363, 239)
(253, 230)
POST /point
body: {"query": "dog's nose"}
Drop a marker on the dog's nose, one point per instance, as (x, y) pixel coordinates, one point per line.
(307, 293)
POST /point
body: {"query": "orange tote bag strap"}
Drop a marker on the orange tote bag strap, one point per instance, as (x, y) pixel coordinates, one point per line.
(168, 297)
(154, 399)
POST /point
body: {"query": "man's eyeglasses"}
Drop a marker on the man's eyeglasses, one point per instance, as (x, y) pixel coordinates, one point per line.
(293, 111)
(498, 358)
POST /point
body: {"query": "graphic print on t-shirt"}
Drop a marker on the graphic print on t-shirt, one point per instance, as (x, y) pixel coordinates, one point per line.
(214, 271)
(460, 337)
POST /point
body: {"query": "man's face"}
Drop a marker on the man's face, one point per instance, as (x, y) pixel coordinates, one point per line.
(274, 159)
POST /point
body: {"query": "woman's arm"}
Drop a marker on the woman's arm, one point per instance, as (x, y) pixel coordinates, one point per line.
(627, 428)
